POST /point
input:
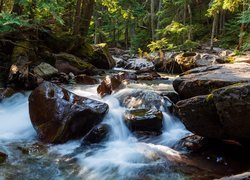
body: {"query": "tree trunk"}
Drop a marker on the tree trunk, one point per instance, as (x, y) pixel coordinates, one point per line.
(87, 12)
(158, 19)
(242, 29)
(153, 19)
(185, 13)
(76, 28)
(17, 9)
(191, 22)
(213, 31)
(1, 5)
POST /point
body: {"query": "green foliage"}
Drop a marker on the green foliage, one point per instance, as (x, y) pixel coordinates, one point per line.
(9, 22)
(158, 45)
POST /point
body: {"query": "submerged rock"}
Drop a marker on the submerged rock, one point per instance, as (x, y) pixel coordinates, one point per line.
(144, 120)
(59, 115)
(202, 81)
(97, 134)
(3, 157)
(223, 114)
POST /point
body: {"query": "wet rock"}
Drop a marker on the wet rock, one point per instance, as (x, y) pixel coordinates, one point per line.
(5, 93)
(127, 76)
(192, 143)
(202, 81)
(101, 57)
(144, 120)
(109, 85)
(141, 99)
(242, 176)
(223, 114)
(172, 95)
(120, 63)
(200, 117)
(59, 115)
(45, 70)
(140, 64)
(69, 63)
(97, 134)
(84, 79)
(3, 157)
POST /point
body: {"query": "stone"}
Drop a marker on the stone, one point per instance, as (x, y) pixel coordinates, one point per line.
(224, 114)
(85, 79)
(108, 85)
(172, 95)
(97, 134)
(59, 115)
(45, 70)
(101, 57)
(3, 157)
(203, 80)
(199, 116)
(140, 64)
(144, 120)
(187, 60)
(69, 63)
(5, 93)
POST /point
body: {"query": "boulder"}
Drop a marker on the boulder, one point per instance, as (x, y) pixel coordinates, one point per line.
(85, 79)
(140, 99)
(5, 93)
(144, 120)
(69, 63)
(172, 95)
(45, 70)
(203, 80)
(101, 57)
(109, 85)
(140, 64)
(199, 116)
(97, 134)
(59, 115)
(3, 157)
(223, 114)
(187, 60)
(242, 59)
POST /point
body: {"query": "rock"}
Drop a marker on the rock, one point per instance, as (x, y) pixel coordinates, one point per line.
(97, 134)
(140, 64)
(101, 57)
(187, 61)
(144, 120)
(199, 116)
(223, 114)
(127, 76)
(242, 176)
(233, 107)
(84, 79)
(69, 63)
(3, 157)
(5, 93)
(109, 85)
(203, 80)
(120, 63)
(140, 99)
(243, 58)
(225, 53)
(59, 115)
(207, 59)
(45, 70)
(172, 95)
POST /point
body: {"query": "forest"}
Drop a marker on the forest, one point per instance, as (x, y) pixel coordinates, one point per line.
(124, 89)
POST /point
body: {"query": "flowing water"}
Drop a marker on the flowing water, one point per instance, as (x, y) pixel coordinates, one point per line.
(121, 156)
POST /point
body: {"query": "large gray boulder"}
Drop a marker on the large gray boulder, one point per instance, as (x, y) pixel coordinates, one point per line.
(202, 81)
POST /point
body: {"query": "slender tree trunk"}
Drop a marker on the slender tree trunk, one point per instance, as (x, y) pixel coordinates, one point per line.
(185, 13)
(213, 31)
(88, 8)
(159, 19)
(153, 19)
(242, 29)
(126, 36)
(190, 22)
(1, 5)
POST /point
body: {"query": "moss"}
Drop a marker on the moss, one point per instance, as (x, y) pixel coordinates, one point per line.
(21, 49)
(209, 98)
(229, 86)
(230, 60)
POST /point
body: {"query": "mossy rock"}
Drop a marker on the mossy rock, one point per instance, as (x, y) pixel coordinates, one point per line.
(3, 157)
(23, 49)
